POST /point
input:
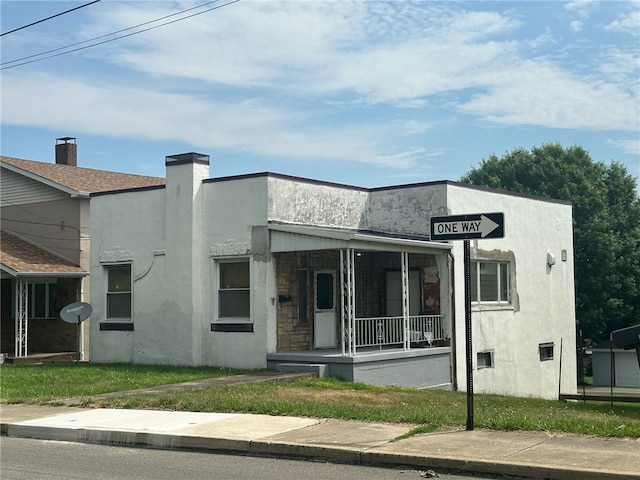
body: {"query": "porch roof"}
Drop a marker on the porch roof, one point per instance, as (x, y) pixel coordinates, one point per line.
(289, 238)
(21, 259)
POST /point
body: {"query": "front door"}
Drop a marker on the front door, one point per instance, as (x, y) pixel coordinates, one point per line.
(324, 323)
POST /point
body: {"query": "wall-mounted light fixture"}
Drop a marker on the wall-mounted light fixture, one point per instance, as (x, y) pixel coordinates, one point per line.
(551, 259)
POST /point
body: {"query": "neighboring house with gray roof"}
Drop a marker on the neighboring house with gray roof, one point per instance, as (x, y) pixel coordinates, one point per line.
(44, 249)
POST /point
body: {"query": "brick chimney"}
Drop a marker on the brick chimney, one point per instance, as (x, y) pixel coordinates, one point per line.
(66, 151)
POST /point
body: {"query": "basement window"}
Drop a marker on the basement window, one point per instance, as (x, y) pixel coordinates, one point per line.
(485, 359)
(546, 351)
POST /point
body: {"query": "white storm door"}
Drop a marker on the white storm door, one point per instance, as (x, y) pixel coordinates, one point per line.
(325, 318)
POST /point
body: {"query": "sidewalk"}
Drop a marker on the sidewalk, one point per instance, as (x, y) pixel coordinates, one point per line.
(525, 454)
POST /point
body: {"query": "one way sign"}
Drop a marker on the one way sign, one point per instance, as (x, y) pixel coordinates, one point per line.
(468, 227)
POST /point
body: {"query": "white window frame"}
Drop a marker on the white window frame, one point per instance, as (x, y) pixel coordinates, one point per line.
(106, 269)
(218, 262)
(476, 297)
(485, 354)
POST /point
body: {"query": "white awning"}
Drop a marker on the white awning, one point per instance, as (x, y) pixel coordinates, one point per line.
(292, 238)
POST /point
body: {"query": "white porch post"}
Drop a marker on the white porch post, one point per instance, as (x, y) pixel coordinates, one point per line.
(404, 266)
(22, 302)
(348, 287)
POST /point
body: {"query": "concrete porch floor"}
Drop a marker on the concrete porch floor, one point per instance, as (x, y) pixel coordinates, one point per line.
(418, 367)
(56, 357)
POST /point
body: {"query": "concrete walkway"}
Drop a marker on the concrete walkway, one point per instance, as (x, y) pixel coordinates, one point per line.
(525, 454)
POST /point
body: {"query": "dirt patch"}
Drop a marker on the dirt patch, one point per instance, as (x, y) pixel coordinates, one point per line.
(340, 396)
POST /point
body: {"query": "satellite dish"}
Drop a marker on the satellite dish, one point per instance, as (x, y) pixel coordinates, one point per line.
(76, 312)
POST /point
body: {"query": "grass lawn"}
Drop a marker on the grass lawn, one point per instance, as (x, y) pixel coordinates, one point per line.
(428, 410)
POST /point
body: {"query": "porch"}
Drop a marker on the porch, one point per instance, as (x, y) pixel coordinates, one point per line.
(417, 368)
(35, 284)
(362, 307)
(412, 352)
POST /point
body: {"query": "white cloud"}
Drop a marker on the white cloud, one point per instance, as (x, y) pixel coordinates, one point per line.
(627, 23)
(248, 125)
(576, 25)
(416, 127)
(275, 77)
(582, 7)
(536, 92)
(630, 146)
(384, 52)
(248, 43)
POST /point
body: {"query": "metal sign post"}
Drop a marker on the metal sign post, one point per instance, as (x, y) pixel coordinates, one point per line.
(467, 329)
(467, 227)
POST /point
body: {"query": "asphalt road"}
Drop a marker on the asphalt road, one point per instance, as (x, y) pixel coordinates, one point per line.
(27, 459)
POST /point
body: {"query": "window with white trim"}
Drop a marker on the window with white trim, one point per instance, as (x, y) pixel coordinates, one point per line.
(490, 282)
(42, 299)
(234, 295)
(485, 359)
(118, 295)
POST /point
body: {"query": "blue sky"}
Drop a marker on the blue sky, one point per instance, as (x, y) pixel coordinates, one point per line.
(366, 93)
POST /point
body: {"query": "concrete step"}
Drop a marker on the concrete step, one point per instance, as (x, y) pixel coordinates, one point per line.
(319, 369)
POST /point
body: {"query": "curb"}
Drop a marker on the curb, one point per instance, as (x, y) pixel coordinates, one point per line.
(344, 455)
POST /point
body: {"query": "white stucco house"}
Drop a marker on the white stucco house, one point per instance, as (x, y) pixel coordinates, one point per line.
(268, 270)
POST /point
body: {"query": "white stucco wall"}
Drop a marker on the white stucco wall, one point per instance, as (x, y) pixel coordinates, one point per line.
(130, 227)
(316, 204)
(232, 209)
(406, 210)
(543, 302)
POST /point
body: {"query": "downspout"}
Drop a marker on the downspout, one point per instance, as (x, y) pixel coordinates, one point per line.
(452, 303)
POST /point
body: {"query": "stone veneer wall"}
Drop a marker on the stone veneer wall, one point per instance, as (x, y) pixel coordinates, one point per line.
(293, 335)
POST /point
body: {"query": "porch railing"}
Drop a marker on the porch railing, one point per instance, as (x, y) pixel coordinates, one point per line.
(387, 331)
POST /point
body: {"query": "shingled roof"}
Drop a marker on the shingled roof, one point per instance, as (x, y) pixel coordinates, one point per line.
(82, 179)
(20, 258)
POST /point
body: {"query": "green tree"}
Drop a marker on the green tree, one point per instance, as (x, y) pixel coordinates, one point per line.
(606, 225)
